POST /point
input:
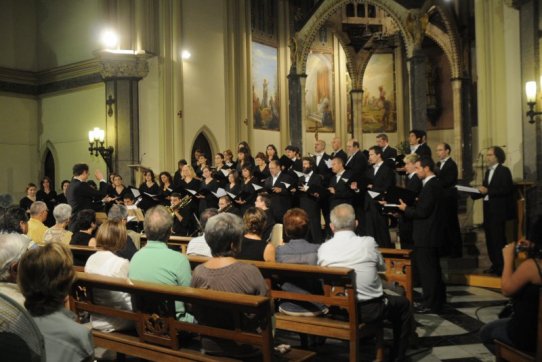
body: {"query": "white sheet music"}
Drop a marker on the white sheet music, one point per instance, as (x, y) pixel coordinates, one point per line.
(151, 195)
(191, 191)
(471, 190)
(257, 187)
(391, 205)
(286, 184)
(231, 195)
(373, 194)
(226, 172)
(135, 192)
(220, 192)
(299, 174)
(328, 163)
(131, 207)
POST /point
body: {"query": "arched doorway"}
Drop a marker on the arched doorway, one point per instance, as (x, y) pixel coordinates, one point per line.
(202, 143)
(49, 167)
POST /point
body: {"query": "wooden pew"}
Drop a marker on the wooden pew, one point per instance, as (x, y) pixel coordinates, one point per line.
(339, 285)
(175, 242)
(505, 352)
(158, 337)
(398, 268)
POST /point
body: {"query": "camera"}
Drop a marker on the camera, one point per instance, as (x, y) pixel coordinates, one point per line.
(521, 248)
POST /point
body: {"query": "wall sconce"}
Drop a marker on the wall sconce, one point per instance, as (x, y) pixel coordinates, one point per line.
(96, 139)
(530, 91)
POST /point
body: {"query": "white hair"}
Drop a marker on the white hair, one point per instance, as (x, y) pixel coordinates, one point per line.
(12, 247)
(62, 213)
(343, 217)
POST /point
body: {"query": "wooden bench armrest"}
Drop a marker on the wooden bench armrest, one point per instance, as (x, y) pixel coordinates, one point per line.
(505, 352)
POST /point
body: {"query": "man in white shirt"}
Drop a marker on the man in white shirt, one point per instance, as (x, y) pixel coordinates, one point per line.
(348, 250)
(198, 245)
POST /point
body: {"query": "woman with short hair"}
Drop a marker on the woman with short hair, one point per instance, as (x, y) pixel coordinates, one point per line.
(224, 273)
(58, 232)
(111, 237)
(45, 276)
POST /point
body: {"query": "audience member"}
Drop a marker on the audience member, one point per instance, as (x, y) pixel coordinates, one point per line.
(156, 263)
(119, 213)
(85, 224)
(198, 245)
(58, 232)
(111, 237)
(222, 272)
(263, 202)
(253, 247)
(36, 226)
(348, 250)
(45, 276)
(14, 220)
(523, 286)
(297, 250)
(12, 248)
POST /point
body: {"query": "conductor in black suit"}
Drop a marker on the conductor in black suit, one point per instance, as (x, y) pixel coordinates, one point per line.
(447, 173)
(80, 194)
(427, 219)
(497, 192)
(278, 185)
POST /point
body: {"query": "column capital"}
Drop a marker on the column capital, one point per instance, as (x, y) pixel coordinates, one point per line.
(121, 64)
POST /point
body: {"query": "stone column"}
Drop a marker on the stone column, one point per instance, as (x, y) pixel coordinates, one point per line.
(457, 142)
(418, 90)
(357, 108)
(121, 73)
(295, 95)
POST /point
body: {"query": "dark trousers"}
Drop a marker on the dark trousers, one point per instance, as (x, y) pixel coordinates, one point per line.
(428, 266)
(453, 244)
(495, 230)
(397, 311)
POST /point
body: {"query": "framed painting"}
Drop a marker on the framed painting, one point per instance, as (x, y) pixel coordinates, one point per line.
(319, 93)
(265, 92)
(379, 109)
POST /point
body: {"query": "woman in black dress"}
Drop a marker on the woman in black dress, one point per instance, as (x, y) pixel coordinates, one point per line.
(261, 171)
(228, 159)
(166, 187)
(190, 186)
(151, 190)
(61, 197)
(233, 187)
(247, 190)
(207, 187)
(271, 153)
(47, 194)
(243, 159)
(30, 197)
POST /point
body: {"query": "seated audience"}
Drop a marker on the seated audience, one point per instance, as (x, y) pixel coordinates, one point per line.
(36, 226)
(14, 220)
(58, 232)
(85, 223)
(111, 237)
(348, 250)
(222, 272)
(45, 276)
(253, 247)
(523, 286)
(156, 263)
(198, 245)
(297, 250)
(119, 213)
(12, 248)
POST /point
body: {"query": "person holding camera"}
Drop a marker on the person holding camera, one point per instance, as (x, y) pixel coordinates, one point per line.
(523, 286)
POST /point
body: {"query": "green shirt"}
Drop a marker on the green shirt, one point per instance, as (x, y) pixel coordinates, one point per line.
(156, 263)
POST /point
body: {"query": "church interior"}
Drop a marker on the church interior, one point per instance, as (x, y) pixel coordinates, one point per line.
(162, 79)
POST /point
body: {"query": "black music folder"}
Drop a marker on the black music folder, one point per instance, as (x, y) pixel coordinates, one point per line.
(395, 193)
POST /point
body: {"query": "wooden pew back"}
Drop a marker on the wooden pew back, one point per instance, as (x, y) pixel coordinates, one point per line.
(161, 327)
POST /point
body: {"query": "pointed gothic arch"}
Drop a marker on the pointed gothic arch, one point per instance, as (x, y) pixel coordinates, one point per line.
(206, 142)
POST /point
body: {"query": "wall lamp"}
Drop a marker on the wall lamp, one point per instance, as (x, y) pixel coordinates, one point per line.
(96, 139)
(530, 91)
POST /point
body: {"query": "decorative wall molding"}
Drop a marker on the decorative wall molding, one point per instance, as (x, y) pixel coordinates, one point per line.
(121, 65)
(51, 80)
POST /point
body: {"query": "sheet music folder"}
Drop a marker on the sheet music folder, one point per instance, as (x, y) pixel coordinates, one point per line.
(395, 193)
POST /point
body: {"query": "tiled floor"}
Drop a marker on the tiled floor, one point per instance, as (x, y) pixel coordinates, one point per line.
(451, 336)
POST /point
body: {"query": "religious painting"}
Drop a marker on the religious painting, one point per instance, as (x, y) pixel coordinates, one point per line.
(379, 107)
(265, 90)
(319, 93)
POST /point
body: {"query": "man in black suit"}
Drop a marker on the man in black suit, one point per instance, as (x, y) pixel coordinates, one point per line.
(321, 158)
(80, 194)
(339, 184)
(379, 178)
(497, 191)
(414, 184)
(292, 152)
(309, 188)
(388, 153)
(417, 140)
(447, 174)
(278, 185)
(427, 218)
(336, 145)
(356, 162)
